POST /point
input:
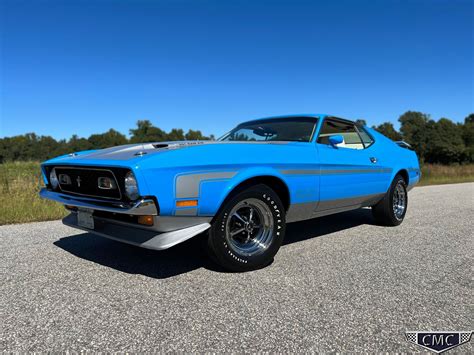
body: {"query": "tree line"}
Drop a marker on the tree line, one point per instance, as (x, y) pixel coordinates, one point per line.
(30, 146)
(442, 141)
(436, 142)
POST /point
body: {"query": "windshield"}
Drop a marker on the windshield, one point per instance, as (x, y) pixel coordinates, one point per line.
(289, 130)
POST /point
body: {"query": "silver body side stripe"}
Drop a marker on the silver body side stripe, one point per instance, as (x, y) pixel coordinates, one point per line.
(186, 212)
(301, 211)
(335, 171)
(356, 171)
(300, 172)
(187, 186)
(350, 201)
(308, 210)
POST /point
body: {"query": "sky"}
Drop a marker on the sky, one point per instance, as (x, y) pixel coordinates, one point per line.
(83, 67)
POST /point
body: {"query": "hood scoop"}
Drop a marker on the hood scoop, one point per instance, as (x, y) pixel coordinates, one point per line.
(160, 145)
(175, 145)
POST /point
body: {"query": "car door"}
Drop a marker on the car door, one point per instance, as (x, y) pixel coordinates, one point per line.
(349, 170)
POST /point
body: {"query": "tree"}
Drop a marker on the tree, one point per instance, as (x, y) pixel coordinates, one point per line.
(469, 119)
(176, 135)
(468, 137)
(146, 132)
(361, 122)
(446, 145)
(414, 128)
(110, 138)
(388, 131)
(46, 147)
(195, 136)
(76, 144)
(33, 147)
(468, 130)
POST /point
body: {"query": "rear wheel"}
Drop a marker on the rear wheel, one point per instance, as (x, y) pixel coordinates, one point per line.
(391, 210)
(248, 231)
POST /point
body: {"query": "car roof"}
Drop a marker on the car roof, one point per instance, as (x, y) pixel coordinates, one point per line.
(302, 116)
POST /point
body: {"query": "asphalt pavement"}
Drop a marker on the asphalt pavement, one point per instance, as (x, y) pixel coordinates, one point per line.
(339, 284)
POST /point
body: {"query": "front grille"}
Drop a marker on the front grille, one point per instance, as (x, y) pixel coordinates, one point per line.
(84, 182)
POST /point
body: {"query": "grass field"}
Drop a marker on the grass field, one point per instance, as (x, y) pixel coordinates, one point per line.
(444, 174)
(20, 183)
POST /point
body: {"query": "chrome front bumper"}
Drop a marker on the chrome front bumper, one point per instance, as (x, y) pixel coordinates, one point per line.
(142, 207)
(166, 231)
(144, 238)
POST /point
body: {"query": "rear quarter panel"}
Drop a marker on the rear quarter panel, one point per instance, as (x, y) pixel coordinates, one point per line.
(396, 157)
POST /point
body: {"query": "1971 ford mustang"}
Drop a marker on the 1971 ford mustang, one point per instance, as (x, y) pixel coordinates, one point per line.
(241, 189)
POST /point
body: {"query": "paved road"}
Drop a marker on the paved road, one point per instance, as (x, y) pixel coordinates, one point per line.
(340, 283)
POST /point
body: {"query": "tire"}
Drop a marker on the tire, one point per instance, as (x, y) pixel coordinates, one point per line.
(391, 210)
(248, 230)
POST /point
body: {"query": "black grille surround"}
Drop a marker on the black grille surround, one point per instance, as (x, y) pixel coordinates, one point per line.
(84, 181)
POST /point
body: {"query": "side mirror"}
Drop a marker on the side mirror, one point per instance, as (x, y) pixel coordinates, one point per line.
(336, 139)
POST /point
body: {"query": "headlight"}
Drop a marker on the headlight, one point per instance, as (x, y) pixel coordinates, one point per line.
(53, 179)
(131, 186)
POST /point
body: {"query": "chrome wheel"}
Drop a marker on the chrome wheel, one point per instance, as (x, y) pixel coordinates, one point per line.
(249, 228)
(399, 201)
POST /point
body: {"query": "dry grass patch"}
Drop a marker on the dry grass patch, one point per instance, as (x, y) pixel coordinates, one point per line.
(20, 183)
(446, 174)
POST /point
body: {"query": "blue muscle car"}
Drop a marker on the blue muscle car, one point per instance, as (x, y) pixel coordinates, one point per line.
(241, 189)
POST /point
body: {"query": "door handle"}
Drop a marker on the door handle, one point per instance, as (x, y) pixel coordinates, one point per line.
(373, 160)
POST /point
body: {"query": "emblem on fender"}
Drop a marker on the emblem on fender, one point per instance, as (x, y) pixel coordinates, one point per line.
(440, 341)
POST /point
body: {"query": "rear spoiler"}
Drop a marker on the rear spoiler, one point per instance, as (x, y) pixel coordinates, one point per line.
(404, 144)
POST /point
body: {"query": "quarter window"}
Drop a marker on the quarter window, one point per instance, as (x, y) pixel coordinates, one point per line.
(366, 139)
(347, 130)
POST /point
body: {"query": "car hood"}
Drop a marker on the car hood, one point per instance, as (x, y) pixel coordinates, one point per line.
(132, 151)
(136, 151)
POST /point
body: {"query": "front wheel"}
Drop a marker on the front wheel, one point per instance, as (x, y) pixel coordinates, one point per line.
(248, 230)
(391, 210)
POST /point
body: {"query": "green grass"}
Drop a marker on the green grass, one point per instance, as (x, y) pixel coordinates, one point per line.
(20, 183)
(446, 174)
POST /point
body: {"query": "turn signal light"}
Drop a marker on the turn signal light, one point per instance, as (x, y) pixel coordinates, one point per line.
(145, 220)
(187, 203)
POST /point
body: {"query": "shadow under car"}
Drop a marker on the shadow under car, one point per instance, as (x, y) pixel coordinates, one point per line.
(189, 255)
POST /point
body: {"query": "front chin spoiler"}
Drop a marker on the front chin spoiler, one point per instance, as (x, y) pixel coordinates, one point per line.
(143, 238)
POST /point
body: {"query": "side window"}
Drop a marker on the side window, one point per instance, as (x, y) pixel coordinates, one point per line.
(347, 130)
(366, 139)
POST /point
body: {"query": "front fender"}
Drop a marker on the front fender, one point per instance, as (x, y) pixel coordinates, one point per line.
(214, 192)
(302, 185)
(210, 187)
